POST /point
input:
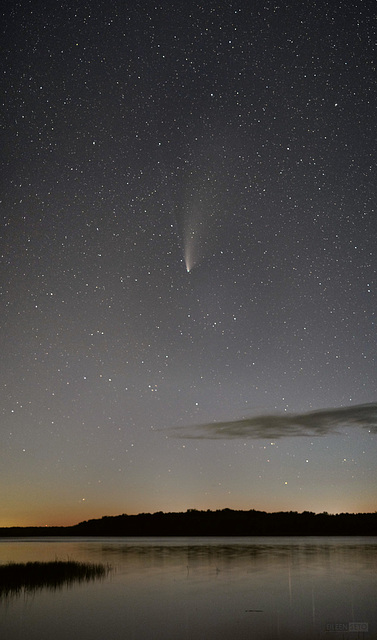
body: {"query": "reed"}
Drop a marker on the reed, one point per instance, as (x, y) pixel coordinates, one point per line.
(33, 576)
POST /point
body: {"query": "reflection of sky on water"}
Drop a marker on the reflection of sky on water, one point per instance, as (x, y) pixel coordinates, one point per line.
(265, 588)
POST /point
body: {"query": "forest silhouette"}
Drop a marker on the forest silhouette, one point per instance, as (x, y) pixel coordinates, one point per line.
(224, 522)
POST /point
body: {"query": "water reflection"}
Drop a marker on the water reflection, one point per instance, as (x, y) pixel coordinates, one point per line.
(263, 588)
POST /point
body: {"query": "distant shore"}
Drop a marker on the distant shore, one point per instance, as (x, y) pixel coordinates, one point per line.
(224, 522)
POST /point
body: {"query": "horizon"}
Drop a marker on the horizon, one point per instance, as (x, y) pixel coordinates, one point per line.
(186, 511)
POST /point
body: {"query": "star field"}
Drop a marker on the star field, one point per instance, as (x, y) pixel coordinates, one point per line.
(142, 141)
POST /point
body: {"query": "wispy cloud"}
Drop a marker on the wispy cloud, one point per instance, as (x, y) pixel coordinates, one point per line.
(275, 426)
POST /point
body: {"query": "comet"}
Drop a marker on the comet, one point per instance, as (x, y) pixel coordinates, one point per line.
(193, 241)
(188, 251)
(198, 231)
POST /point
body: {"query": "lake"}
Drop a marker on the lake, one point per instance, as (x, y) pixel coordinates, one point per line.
(209, 588)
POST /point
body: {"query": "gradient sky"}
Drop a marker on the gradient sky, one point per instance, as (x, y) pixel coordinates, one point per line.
(188, 236)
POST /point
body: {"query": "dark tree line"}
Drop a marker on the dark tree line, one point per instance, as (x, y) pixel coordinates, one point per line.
(225, 522)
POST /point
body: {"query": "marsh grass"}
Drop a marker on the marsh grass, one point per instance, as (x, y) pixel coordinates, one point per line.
(33, 576)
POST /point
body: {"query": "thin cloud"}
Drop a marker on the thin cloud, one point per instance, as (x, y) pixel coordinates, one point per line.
(272, 427)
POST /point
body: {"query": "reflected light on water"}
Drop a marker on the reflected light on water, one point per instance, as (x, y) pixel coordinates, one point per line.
(262, 588)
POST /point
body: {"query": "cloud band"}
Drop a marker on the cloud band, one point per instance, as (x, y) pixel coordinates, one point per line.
(272, 427)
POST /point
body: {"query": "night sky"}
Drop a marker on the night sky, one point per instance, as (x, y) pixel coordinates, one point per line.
(188, 237)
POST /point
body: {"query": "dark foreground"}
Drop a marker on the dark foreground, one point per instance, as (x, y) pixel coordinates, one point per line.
(225, 522)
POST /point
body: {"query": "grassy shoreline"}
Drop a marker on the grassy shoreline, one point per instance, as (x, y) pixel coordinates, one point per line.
(33, 576)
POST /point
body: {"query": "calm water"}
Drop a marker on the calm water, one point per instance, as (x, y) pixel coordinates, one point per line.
(207, 588)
